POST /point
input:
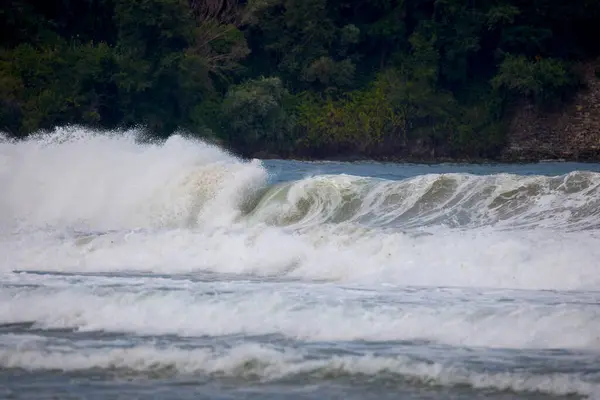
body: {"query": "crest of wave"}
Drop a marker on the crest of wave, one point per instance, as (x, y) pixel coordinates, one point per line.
(453, 200)
(92, 180)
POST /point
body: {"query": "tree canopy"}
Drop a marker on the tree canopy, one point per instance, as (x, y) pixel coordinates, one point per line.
(294, 77)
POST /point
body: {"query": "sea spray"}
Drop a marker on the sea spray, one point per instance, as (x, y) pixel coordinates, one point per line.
(79, 179)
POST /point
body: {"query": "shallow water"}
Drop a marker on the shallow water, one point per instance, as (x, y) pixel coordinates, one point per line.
(177, 271)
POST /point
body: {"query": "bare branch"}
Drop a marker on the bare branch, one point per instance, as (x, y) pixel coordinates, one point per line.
(216, 20)
(222, 11)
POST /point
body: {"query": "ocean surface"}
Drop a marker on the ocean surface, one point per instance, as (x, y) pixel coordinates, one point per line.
(177, 271)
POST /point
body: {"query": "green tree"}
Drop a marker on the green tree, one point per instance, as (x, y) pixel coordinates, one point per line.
(256, 115)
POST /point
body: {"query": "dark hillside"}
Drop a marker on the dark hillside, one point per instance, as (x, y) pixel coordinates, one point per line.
(402, 79)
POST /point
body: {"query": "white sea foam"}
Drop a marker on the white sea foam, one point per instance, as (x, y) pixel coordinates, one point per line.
(479, 258)
(310, 312)
(256, 362)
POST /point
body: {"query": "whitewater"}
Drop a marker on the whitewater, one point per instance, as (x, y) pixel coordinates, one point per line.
(173, 269)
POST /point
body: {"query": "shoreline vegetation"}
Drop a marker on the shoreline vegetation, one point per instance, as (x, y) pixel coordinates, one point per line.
(384, 80)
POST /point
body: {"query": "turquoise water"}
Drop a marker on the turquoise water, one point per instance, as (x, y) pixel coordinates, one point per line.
(177, 271)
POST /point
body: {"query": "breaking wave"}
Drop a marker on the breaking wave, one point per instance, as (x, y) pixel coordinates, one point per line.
(75, 200)
(94, 181)
(451, 200)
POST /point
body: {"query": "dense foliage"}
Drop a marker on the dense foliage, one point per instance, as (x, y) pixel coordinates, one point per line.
(294, 77)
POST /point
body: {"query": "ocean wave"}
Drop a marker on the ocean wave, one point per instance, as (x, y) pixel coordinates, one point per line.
(99, 181)
(570, 201)
(473, 258)
(79, 200)
(253, 362)
(74, 178)
(308, 313)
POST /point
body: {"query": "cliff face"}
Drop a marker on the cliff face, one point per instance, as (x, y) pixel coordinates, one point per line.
(573, 133)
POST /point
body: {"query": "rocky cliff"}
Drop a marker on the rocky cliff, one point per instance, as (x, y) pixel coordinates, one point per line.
(573, 133)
